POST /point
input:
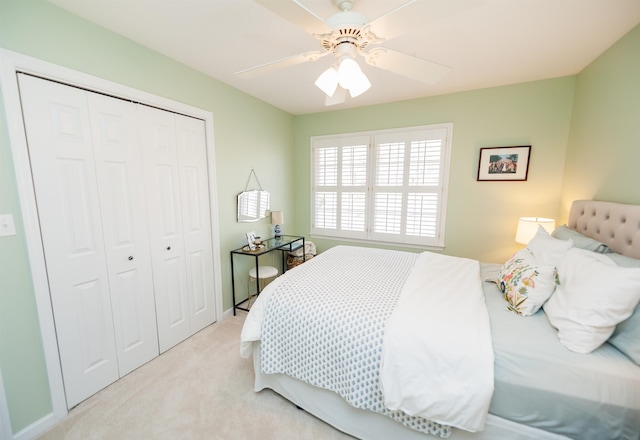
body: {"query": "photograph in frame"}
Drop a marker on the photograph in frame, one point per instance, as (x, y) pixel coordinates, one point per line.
(504, 163)
(251, 240)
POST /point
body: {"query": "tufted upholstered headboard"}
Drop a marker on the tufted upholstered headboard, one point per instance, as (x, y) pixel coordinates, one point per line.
(615, 224)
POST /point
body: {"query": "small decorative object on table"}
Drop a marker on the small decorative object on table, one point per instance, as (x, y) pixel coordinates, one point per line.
(251, 239)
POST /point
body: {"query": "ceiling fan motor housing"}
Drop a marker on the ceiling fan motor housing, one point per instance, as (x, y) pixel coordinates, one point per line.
(351, 35)
(343, 41)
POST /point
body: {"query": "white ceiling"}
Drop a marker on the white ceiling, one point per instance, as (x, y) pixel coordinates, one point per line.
(485, 42)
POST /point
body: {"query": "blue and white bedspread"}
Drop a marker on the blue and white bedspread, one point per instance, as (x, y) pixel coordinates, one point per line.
(324, 323)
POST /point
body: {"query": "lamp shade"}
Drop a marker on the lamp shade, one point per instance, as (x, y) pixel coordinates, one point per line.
(528, 226)
(360, 86)
(328, 81)
(277, 218)
(349, 73)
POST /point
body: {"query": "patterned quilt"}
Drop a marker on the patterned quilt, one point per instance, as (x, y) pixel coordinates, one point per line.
(328, 331)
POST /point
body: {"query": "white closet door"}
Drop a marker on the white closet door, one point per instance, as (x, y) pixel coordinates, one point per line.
(118, 158)
(162, 177)
(192, 159)
(59, 137)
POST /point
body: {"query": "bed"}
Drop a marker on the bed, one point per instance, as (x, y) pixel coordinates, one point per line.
(386, 344)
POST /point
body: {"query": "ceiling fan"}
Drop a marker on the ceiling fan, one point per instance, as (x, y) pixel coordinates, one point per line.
(347, 35)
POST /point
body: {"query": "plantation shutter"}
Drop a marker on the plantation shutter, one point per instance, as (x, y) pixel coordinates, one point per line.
(340, 187)
(387, 186)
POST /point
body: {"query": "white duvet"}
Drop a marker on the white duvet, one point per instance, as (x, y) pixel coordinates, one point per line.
(437, 356)
(437, 359)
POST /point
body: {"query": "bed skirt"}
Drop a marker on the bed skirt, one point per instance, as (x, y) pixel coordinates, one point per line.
(331, 408)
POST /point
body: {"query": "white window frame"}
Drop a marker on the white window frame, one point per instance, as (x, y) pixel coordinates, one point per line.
(331, 183)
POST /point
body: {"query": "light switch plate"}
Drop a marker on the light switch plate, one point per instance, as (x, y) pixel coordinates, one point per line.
(7, 226)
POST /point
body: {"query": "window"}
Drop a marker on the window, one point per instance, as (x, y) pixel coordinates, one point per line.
(384, 186)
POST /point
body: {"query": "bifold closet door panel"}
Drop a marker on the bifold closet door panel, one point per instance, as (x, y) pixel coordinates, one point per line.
(59, 137)
(118, 158)
(196, 215)
(162, 182)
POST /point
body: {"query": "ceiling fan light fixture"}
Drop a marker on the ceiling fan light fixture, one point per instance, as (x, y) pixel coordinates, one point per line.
(351, 77)
(348, 73)
(360, 86)
(328, 81)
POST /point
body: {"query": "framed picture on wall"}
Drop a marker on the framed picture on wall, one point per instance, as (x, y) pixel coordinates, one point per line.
(504, 163)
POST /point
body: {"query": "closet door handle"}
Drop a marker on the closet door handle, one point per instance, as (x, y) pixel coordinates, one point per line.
(168, 248)
(130, 258)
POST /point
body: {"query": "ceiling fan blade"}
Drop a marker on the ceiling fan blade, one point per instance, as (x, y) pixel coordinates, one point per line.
(272, 66)
(339, 96)
(407, 65)
(405, 17)
(297, 14)
(396, 21)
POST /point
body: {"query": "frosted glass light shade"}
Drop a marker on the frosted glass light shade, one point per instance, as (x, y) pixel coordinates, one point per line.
(348, 73)
(328, 81)
(361, 86)
(528, 226)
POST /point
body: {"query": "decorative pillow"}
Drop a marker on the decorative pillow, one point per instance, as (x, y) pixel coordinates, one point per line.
(579, 240)
(626, 337)
(525, 284)
(594, 295)
(547, 250)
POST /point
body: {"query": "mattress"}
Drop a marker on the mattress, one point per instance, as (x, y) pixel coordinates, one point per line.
(540, 383)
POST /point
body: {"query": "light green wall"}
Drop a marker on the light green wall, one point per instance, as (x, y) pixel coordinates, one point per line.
(21, 351)
(481, 216)
(603, 154)
(247, 132)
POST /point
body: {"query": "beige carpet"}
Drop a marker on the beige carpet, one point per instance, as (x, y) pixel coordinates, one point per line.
(200, 389)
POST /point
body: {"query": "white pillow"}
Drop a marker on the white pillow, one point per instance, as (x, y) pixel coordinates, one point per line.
(594, 295)
(547, 250)
(579, 240)
(525, 284)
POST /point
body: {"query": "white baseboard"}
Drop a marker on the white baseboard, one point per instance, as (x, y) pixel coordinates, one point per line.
(36, 428)
(227, 314)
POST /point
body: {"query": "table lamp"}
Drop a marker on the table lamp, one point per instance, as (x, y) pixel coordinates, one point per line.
(277, 219)
(528, 226)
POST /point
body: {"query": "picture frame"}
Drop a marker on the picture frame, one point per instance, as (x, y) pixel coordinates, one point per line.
(504, 163)
(251, 240)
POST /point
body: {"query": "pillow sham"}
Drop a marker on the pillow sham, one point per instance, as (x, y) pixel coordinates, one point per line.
(547, 250)
(525, 284)
(622, 260)
(594, 295)
(626, 337)
(579, 240)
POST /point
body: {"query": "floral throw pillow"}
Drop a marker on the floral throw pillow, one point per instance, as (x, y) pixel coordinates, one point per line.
(525, 284)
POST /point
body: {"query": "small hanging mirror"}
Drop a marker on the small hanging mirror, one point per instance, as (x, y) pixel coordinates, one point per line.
(253, 205)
